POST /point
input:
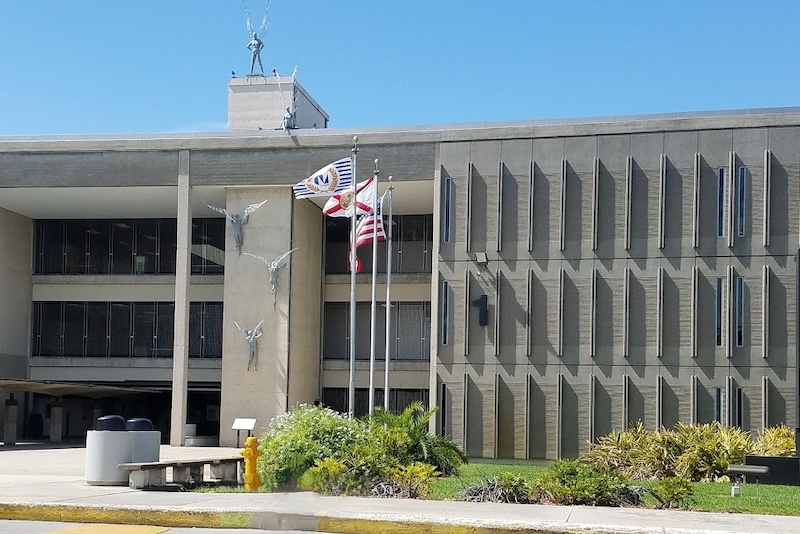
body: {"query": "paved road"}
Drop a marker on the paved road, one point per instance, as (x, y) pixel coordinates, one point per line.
(40, 527)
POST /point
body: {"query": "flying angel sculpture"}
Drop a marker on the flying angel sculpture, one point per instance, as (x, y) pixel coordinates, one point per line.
(237, 221)
(273, 267)
(251, 336)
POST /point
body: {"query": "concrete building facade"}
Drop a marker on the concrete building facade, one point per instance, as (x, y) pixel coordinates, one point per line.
(552, 280)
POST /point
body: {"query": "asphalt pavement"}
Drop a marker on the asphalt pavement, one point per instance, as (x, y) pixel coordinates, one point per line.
(48, 484)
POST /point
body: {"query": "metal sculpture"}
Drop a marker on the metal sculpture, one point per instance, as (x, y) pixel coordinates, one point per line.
(237, 221)
(251, 336)
(273, 267)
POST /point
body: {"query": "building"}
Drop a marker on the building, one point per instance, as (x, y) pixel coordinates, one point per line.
(554, 280)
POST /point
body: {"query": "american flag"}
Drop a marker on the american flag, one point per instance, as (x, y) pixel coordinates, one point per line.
(368, 228)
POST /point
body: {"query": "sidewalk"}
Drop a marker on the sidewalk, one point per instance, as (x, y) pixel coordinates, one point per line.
(48, 484)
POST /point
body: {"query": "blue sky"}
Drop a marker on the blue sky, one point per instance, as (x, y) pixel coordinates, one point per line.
(122, 66)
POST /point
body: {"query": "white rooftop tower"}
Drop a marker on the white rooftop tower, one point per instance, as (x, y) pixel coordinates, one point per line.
(258, 102)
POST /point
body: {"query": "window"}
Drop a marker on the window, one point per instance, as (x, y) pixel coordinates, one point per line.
(445, 307)
(718, 396)
(124, 246)
(719, 309)
(739, 408)
(409, 334)
(721, 202)
(739, 311)
(119, 329)
(447, 209)
(399, 399)
(741, 201)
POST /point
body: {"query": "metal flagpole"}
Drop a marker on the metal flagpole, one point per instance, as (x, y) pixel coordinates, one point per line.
(373, 329)
(351, 407)
(388, 300)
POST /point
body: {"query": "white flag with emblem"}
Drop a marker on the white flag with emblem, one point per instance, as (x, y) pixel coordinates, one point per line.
(329, 180)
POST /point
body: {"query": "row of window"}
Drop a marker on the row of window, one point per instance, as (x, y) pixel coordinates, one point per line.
(409, 335)
(740, 201)
(122, 329)
(125, 246)
(738, 407)
(719, 309)
(399, 399)
(412, 246)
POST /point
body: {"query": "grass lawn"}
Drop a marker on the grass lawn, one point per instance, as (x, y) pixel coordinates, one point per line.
(709, 497)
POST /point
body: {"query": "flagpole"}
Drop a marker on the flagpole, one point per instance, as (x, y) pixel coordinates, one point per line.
(374, 311)
(388, 300)
(351, 409)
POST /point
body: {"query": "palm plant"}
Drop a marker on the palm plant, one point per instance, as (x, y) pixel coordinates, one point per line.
(438, 451)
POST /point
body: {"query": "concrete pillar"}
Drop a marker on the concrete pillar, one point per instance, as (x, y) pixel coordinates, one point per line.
(10, 426)
(56, 416)
(180, 353)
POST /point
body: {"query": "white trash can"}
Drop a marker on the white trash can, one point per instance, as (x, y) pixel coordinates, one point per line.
(106, 448)
(145, 442)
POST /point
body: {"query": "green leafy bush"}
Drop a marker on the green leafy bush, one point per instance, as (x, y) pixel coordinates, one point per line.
(505, 487)
(580, 482)
(695, 452)
(776, 441)
(673, 492)
(295, 440)
(421, 446)
(316, 448)
(413, 479)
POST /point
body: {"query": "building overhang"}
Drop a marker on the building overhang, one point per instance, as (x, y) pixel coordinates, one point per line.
(64, 389)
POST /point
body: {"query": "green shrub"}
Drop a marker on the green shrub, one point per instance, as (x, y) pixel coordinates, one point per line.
(776, 441)
(295, 440)
(505, 487)
(421, 446)
(332, 477)
(580, 482)
(623, 452)
(708, 449)
(673, 492)
(412, 479)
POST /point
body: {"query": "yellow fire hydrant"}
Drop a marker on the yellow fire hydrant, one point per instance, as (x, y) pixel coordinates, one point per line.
(250, 452)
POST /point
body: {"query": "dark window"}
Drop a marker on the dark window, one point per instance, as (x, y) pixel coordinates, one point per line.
(51, 247)
(741, 199)
(445, 308)
(76, 246)
(99, 232)
(208, 246)
(212, 330)
(74, 321)
(196, 330)
(739, 311)
(97, 329)
(739, 415)
(120, 343)
(720, 202)
(165, 329)
(52, 322)
(718, 310)
(36, 327)
(399, 399)
(122, 247)
(409, 337)
(447, 209)
(718, 396)
(146, 258)
(144, 321)
(168, 236)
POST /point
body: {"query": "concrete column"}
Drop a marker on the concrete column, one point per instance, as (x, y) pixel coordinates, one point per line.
(180, 353)
(10, 426)
(56, 416)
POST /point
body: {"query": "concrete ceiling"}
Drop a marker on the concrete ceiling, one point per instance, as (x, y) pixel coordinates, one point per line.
(161, 202)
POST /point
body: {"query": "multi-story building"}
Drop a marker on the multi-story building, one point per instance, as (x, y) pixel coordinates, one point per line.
(553, 280)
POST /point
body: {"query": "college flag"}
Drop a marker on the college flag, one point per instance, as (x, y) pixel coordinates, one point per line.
(341, 204)
(330, 179)
(368, 229)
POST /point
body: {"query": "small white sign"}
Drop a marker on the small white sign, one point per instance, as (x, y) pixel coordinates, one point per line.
(243, 423)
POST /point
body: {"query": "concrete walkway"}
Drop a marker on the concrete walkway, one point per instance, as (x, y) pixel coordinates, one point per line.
(48, 484)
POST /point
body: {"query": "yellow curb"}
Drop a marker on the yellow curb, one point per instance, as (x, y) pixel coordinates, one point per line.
(368, 526)
(121, 516)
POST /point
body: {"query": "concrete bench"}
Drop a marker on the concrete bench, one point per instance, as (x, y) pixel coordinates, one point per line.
(748, 470)
(184, 472)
